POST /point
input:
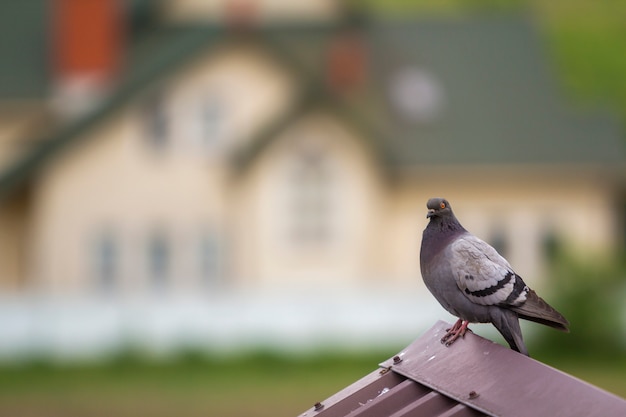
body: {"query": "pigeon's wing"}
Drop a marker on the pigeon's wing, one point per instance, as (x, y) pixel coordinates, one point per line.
(483, 275)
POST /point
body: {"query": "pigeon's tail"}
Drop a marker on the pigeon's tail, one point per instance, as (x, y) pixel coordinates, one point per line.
(507, 323)
(537, 310)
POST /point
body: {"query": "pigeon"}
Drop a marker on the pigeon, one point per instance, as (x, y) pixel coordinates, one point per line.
(471, 280)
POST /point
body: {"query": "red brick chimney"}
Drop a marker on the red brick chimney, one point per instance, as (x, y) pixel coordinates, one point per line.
(241, 15)
(346, 66)
(87, 48)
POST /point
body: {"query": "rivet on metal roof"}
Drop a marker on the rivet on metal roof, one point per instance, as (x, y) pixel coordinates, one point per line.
(318, 406)
(473, 395)
(397, 360)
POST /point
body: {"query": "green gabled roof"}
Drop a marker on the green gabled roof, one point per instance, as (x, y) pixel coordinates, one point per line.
(500, 102)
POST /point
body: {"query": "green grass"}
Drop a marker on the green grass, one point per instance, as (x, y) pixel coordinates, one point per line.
(255, 385)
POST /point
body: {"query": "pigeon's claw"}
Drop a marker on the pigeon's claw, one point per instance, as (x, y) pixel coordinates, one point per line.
(458, 330)
(454, 328)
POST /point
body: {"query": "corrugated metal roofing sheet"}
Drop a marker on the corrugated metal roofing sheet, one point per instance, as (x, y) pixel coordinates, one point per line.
(473, 377)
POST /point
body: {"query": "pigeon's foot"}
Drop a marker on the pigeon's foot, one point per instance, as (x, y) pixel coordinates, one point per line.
(458, 330)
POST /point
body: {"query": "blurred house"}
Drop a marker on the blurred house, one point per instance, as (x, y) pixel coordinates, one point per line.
(207, 146)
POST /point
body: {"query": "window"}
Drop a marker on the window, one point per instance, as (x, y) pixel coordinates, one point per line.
(310, 197)
(211, 120)
(106, 262)
(158, 260)
(210, 259)
(156, 121)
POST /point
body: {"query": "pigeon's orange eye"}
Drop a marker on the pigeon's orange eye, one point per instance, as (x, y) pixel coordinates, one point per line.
(442, 205)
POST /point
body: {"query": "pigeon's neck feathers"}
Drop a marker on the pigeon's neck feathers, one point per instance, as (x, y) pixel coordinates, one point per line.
(439, 232)
(445, 226)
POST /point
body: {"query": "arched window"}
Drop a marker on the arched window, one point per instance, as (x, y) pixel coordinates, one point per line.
(310, 196)
(211, 114)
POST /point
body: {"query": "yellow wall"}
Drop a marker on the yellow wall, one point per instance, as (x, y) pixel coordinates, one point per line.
(115, 181)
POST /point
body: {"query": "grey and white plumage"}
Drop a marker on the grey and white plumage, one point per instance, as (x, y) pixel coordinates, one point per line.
(475, 283)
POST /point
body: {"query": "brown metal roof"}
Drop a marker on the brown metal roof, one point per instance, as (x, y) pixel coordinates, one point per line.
(473, 377)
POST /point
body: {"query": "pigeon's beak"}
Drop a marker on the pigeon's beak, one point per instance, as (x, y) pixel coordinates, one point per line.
(431, 213)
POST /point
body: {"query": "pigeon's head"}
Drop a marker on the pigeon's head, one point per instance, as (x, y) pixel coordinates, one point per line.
(438, 207)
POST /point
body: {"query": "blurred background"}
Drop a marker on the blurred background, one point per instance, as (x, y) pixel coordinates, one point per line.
(209, 200)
